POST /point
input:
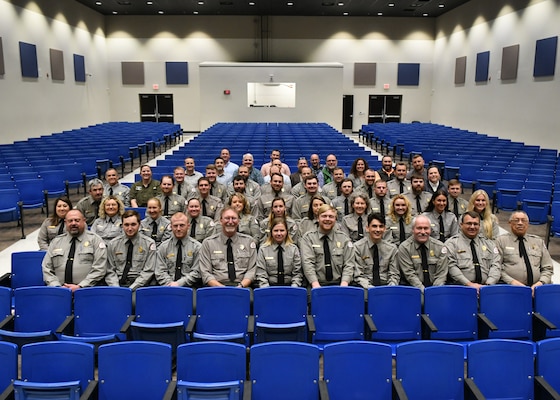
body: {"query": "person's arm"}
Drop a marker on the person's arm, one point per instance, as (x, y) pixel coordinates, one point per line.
(308, 261)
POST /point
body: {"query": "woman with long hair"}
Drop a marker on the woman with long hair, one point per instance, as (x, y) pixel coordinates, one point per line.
(109, 224)
(248, 224)
(278, 210)
(310, 223)
(443, 222)
(155, 225)
(355, 223)
(54, 225)
(357, 171)
(480, 203)
(399, 220)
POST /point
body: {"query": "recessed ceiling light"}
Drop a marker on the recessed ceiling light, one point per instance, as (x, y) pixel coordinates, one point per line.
(289, 3)
(391, 4)
(441, 5)
(340, 4)
(380, 13)
(149, 3)
(160, 12)
(114, 12)
(98, 3)
(425, 14)
(251, 3)
(344, 13)
(195, 12)
(200, 3)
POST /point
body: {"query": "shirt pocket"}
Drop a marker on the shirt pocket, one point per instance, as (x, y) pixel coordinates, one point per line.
(86, 255)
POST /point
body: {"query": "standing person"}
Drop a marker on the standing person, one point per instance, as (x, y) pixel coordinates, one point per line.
(332, 189)
(172, 203)
(228, 258)
(113, 187)
(399, 185)
(89, 205)
(418, 168)
(298, 190)
(457, 205)
(327, 254)
(357, 171)
(229, 166)
(200, 226)
(131, 255)
(109, 223)
(222, 176)
(217, 189)
(317, 168)
(275, 155)
(278, 210)
(342, 202)
(155, 225)
(422, 259)
(399, 221)
(76, 258)
(278, 259)
(177, 258)
(480, 203)
(376, 258)
(145, 188)
(239, 185)
(264, 203)
(355, 223)
(211, 205)
(524, 258)
(387, 172)
(473, 260)
(368, 185)
(443, 223)
(301, 204)
(254, 174)
(252, 188)
(191, 174)
(328, 169)
(54, 225)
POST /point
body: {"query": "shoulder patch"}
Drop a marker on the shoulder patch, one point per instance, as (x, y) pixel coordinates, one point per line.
(444, 250)
(495, 251)
(350, 244)
(253, 245)
(152, 247)
(102, 245)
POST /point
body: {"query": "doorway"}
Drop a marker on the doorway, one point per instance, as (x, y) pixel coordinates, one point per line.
(156, 107)
(384, 108)
(347, 111)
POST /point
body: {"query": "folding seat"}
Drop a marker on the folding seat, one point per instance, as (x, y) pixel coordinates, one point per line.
(26, 270)
(547, 379)
(468, 174)
(31, 192)
(284, 370)
(211, 370)
(507, 191)
(546, 315)
(162, 315)
(135, 371)
(429, 369)
(56, 370)
(500, 369)
(486, 180)
(536, 203)
(280, 314)
(367, 365)
(8, 368)
(54, 183)
(11, 208)
(222, 313)
(555, 213)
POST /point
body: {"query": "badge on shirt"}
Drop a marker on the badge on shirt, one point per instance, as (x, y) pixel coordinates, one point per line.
(101, 245)
(415, 256)
(241, 247)
(189, 253)
(432, 253)
(269, 258)
(443, 250)
(484, 248)
(86, 243)
(253, 245)
(140, 249)
(338, 244)
(175, 203)
(171, 255)
(316, 245)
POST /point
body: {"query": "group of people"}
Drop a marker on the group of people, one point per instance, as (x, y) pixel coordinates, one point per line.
(240, 226)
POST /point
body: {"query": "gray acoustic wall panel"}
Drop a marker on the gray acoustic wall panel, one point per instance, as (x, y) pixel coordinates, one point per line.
(2, 70)
(365, 74)
(132, 72)
(460, 70)
(57, 64)
(510, 61)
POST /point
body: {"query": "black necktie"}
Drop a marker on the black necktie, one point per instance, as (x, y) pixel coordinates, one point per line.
(178, 261)
(61, 227)
(456, 207)
(476, 263)
(193, 228)
(375, 255)
(230, 263)
(280, 266)
(166, 207)
(425, 270)
(179, 188)
(402, 233)
(370, 192)
(418, 205)
(441, 230)
(523, 253)
(154, 230)
(382, 206)
(327, 253)
(338, 189)
(128, 264)
(401, 187)
(96, 205)
(346, 207)
(204, 208)
(110, 191)
(360, 227)
(68, 272)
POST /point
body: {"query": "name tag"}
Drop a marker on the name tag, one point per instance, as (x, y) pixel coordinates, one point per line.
(269, 258)
(415, 256)
(316, 245)
(218, 252)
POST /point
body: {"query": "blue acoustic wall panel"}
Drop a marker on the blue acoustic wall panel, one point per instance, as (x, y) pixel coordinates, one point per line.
(79, 68)
(545, 56)
(408, 74)
(177, 73)
(482, 66)
(28, 59)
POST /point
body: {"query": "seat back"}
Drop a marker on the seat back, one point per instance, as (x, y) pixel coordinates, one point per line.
(27, 269)
(280, 313)
(41, 308)
(9, 210)
(367, 365)
(163, 304)
(338, 313)
(548, 354)
(453, 310)
(216, 364)
(284, 370)
(5, 302)
(8, 364)
(510, 308)
(502, 368)
(545, 303)
(420, 361)
(134, 370)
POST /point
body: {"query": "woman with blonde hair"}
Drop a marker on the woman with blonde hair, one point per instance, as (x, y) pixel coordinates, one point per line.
(399, 220)
(480, 203)
(109, 224)
(248, 224)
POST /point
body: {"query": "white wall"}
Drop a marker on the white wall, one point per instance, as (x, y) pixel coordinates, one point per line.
(524, 110)
(35, 107)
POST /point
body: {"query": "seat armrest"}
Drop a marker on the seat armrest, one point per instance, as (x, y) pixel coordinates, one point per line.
(247, 390)
(486, 321)
(398, 390)
(126, 324)
(90, 392)
(369, 323)
(5, 280)
(64, 326)
(190, 325)
(544, 388)
(251, 324)
(429, 323)
(538, 317)
(472, 391)
(311, 324)
(170, 392)
(8, 393)
(323, 390)
(7, 322)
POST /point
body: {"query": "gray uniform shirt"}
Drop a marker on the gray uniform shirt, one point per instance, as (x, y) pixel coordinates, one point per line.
(120, 191)
(394, 187)
(349, 225)
(330, 190)
(143, 261)
(513, 265)
(393, 231)
(205, 227)
(176, 204)
(220, 191)
(213, 204)
(166, 262)
(461, 267)
(108, 228)
(48, 232)
(450, 226)
(375, 204)
(90, 260)
(293, 230)
(339, 203)
(425, 198)
(410, 262)
(213, 258)
(264, 204)
(462, 204)
(88, 207)
(313, 257)
(389, 273)
(267, 265)
(163, 230)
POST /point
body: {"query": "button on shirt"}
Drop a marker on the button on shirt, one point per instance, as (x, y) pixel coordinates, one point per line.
(410, 262)
(267, 265)
(166, 262)
(388, 268)
(143, 261)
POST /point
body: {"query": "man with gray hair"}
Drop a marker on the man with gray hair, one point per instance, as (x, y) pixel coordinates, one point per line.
(89, 205)
(254, 174)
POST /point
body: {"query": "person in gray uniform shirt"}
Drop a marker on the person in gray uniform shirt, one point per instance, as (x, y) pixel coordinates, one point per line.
(210, 205)
(327, 255)
(216, 188)
(422, 259)
(191, 175)
(419, 199)
(77, 258)
(54, 225)
(399, 185)
(132, 256)
(354, 224)
(264, 203)
(524, 258)
(332, 189)
(278, 259)
(376, 258)
(399, 220)
(113, 187)
(368, 185)
(155, 225)
(301, 204)
(109, 223)
(182, 188)
(456, 204)
(145, 188)
(443, 223)
(473, 260)
(177, 257)
(342, 203)
(278, 210)
(239, 185)
(171, 203)
(418, 167)
(228, 258)
(380, 202)
(89, 205)
(298, 189)
(200, 227)
(252, 188)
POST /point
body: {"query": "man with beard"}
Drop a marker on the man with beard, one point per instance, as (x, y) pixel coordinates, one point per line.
(387, 172)
(89, 205)
(399, 185)
(419, 199)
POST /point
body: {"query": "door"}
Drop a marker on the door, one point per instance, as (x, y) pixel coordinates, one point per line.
(156, 107)
(347, 111)
(384, 108)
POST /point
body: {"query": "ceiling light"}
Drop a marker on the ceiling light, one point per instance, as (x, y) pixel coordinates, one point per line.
(195, 12)
(441, 5)
(289, 4)
(149, 3)
(340, 4)
(200, 3)
(391, 4)
(160, 12)
(425, 14)
(114, 12)
(380, 14)
(344, 13)
(98, 3)
(251, 3)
